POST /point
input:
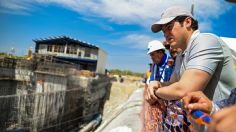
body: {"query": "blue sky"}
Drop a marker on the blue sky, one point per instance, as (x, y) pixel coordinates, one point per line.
(120, 27)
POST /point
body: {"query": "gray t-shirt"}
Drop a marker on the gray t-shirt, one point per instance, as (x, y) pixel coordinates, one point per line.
(209, 53)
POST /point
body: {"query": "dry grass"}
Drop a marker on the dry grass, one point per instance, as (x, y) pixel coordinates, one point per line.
(120, 92)
(132, 78)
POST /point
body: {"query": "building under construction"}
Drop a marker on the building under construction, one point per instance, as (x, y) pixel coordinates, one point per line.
(61, 88)
(68, 50)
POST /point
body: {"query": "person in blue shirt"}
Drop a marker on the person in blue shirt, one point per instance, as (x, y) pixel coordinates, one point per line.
(160, 66)
(152, 112)
(162, 72)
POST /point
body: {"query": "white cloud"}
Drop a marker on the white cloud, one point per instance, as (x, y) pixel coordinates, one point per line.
(21, 7)
(205, 26)
(132, 40)
(210, 8)
(98, 23)
(142, 12)
(138, 41)
(138, 12)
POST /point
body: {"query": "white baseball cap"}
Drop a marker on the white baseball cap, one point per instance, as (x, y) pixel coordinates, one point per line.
(154, 45)
(170, 14)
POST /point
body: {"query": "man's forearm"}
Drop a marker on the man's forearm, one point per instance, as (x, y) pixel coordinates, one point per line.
(191, 80)
(171, 92)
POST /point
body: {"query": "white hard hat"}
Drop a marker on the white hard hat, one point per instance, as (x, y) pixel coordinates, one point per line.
(155, 45)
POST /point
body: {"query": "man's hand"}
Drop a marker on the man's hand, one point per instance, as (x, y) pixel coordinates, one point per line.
(224, 120)
(151, 98)
(197, 100)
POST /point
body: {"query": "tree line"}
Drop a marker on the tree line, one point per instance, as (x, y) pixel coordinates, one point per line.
(125, 72)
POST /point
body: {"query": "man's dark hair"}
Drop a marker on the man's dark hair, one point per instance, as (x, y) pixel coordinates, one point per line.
(167, 46)
(181, 19)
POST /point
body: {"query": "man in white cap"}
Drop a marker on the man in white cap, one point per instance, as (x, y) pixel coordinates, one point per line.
(204, 64)
(160, 71)
(156, 50)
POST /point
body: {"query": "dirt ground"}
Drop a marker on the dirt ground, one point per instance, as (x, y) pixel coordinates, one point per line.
(120, 93)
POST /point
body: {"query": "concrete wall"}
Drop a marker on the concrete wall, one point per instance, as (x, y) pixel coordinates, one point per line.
(13, 110)
(49, 101)
(95, 89)
(101, 63)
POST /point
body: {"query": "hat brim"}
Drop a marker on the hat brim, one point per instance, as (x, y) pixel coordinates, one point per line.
(156, 27)
(150, 51)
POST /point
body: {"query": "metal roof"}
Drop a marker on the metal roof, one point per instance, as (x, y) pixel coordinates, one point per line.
(67, 39)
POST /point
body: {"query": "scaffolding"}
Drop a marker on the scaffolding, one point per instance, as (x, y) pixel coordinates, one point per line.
(46, 96)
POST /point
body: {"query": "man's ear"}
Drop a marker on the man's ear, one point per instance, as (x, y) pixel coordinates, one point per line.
(188, 22)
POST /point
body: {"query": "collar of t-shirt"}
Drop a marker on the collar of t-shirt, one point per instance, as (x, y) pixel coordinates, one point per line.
(193, 36)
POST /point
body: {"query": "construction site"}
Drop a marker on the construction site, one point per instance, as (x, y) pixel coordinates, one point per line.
(149, 66)
(44, 96)
(44, 93)
(63, 86)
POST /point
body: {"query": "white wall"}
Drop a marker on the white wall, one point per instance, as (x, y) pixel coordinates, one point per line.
(42, 49)
(231, 42)
(93, 53)
(101, 63)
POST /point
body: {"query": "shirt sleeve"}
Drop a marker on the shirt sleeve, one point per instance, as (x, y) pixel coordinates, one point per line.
(205, 53)
(229, 101)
